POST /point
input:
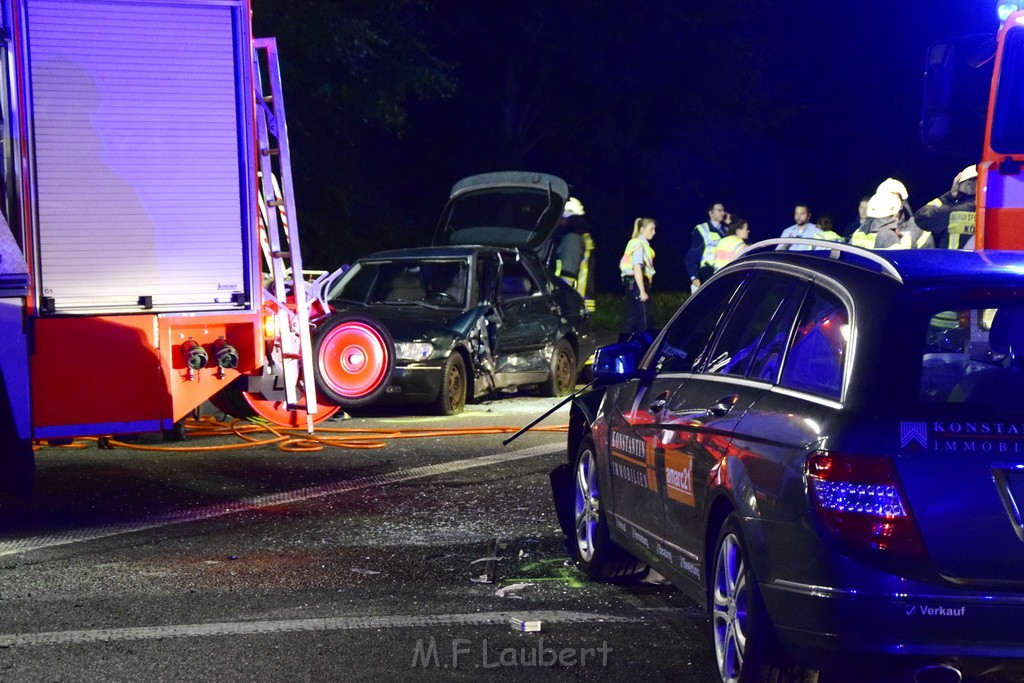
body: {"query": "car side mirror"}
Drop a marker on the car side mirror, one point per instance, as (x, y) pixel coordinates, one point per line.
(617, 362)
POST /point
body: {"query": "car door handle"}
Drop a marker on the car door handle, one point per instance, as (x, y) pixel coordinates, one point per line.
(658, 404)
(722, 406)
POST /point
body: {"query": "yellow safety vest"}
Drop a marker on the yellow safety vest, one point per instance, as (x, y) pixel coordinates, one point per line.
(711, 239)
(727, 249)
(626, 262)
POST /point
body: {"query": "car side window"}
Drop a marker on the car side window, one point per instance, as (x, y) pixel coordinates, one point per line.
(516, 281)
(688, 337)
(768, 362)
(759, 301)
(817, 354)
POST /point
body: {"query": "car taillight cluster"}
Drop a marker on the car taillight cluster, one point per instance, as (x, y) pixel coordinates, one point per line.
(859, 500)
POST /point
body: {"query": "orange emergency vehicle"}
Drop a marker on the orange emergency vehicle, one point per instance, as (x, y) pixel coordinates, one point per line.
(139, 138)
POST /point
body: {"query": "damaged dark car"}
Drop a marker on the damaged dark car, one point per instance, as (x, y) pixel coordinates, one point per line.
(448, 324)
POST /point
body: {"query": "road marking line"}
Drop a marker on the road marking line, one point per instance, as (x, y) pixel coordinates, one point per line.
(24, 545)
(106, 635)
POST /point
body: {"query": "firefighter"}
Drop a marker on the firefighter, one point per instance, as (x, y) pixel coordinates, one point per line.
(636, 267)
(700, 259)
(730, 246)
(575, 250)
(888, 228)
(950, 218)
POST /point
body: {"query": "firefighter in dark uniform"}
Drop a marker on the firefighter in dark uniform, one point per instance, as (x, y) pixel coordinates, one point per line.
(950, 218)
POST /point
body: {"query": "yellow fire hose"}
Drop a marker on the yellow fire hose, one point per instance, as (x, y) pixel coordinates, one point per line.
(257, 432)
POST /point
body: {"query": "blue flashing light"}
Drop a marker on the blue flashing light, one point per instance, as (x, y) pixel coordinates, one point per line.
(880, 500)
(1005, 9)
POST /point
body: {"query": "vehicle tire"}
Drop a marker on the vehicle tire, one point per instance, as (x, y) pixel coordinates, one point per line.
(353, 359)
(562, 375)
(235, 401)
(451, 397)
(745, 645)
(592, 550)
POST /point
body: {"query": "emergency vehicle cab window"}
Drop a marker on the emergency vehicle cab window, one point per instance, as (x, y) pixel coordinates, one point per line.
(1007, 133)
(817, 355)
(974, 356)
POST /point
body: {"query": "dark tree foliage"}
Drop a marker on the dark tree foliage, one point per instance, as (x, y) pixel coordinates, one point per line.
(350, 71)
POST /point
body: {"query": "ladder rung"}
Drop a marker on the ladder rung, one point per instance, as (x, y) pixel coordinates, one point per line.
(268, 98)
(281, 254)
(275, 202)
(291, 356)
(270, 152)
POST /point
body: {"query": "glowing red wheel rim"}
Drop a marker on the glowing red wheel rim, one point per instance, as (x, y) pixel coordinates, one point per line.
(278, 413)
(353, 359)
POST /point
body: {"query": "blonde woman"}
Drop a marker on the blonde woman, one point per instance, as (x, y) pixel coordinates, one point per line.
(637, 270)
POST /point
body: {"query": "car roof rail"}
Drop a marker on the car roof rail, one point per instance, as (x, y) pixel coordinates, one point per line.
(835, 251)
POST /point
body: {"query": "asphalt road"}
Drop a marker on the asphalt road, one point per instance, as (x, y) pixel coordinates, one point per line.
(338, 564)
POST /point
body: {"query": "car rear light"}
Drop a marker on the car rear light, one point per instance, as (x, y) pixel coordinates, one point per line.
(860, 501)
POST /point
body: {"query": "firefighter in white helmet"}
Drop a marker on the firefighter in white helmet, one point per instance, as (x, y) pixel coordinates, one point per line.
(951, 217)
(887, 228)
(575, 250)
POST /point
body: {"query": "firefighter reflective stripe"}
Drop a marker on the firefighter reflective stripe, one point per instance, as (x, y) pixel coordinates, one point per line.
(948, 320)
(863, 239)
(626, 262)
(961, 229)
(581, 277)
(923, 239)
(711, 239)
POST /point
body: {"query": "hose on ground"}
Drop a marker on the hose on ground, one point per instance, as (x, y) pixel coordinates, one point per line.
(256, 432)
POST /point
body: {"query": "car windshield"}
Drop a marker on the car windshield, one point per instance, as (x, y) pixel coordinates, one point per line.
(435, 282)
(974, 356)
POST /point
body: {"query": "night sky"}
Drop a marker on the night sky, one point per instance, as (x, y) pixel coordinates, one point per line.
(652, 108)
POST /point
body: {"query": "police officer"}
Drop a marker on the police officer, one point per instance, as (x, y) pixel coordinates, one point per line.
(730, 246)
(637, 270)
(700, 259)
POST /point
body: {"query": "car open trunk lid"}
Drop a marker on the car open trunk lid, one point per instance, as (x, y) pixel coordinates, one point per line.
(504, 209)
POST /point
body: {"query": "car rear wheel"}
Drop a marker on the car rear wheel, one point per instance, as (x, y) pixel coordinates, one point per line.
(593, 551)
(451, 397)
(562, 374)
(353, 358)
(746, 648)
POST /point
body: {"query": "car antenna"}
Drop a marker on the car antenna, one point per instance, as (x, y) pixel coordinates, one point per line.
(533, 424)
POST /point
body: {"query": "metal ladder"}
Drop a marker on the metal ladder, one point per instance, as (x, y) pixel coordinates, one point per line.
(279, 219)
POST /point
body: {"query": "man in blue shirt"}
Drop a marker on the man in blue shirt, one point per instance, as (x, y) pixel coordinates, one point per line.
(802, 226)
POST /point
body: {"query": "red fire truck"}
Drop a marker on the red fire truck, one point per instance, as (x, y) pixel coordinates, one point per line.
(141, 139)
(962, 76)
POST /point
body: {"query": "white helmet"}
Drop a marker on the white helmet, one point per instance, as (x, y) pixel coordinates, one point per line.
(895, 187)
(967, 174)
(573, 207)
(883, 205)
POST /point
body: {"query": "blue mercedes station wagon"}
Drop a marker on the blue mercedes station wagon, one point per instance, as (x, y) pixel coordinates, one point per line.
(824, 448)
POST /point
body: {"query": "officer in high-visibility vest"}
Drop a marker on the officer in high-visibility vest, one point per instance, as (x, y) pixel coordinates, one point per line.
(730, 246)
(700, 259)
(636, 267)
(951, 217)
